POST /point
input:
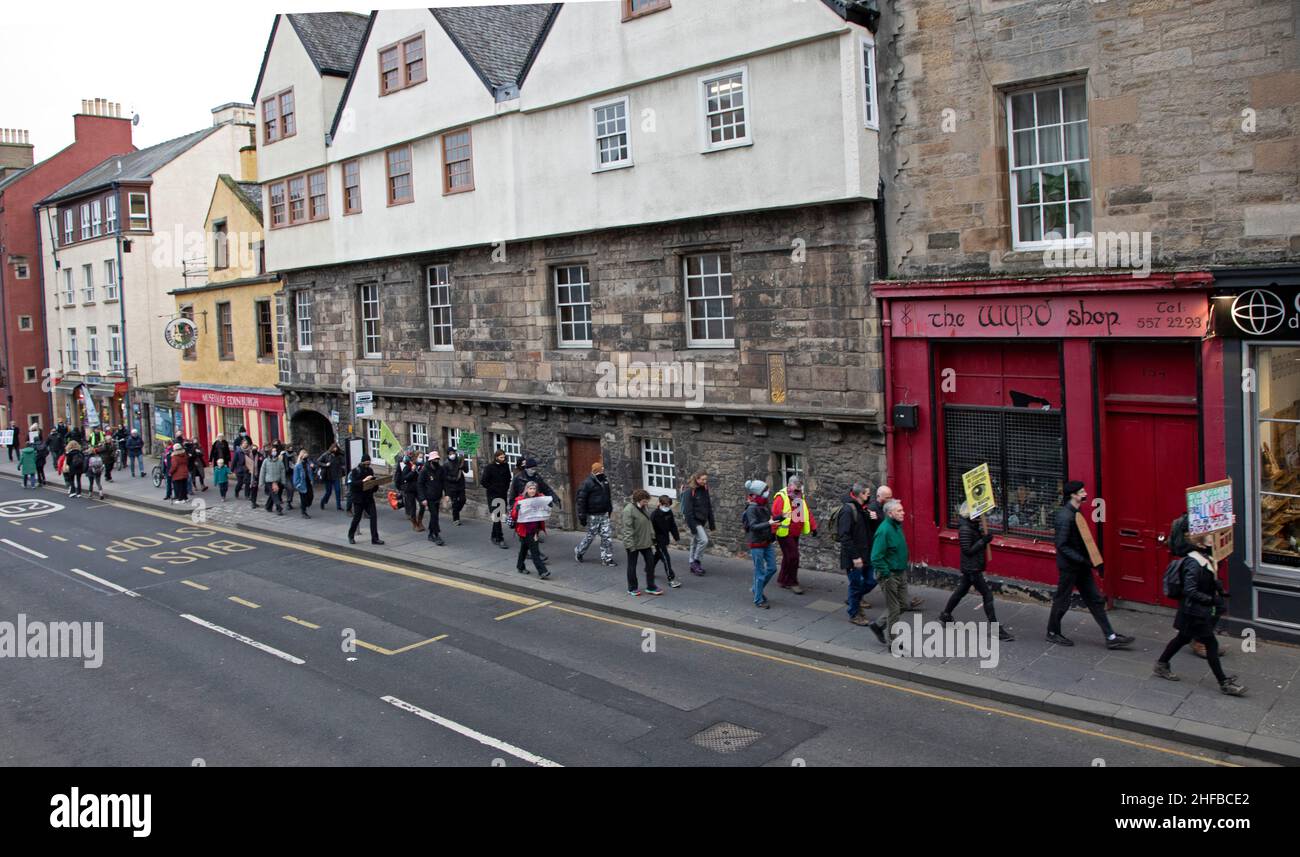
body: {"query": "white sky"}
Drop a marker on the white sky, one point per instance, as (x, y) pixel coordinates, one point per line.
(170, 62)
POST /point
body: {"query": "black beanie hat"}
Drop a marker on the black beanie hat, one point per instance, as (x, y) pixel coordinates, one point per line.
(1072, 486)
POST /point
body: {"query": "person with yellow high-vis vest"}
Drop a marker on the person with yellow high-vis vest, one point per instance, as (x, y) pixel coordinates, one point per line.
(790, 503)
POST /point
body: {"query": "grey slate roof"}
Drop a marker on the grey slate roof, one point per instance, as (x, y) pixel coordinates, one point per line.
(135, 166)
(332, 39)
(500, 42)
(251, 193)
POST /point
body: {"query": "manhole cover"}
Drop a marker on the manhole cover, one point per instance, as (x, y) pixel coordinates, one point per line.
(725, 738)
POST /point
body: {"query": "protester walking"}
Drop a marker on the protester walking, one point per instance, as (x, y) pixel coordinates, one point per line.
(1194, 584)
(108, 455)
(362, 486)
(665, 525)
(197, 465)
(255, 458)
(528, 532)
(875, 517)
(42, 456)
(13, 441)
(594, 506)
(974, 539)
(135, 452)
(429, 493)
(272, 478)
(95, 467)
(638, 541)
(221, 476)
(406, 482)
(302, 482)
(760, 528)
(453, 481)
(220, 450)
(27, 465)
(854, 534)
(74, 465)
(528, 473)
(889, 561)
(697, 513)
(1076, 555)
(790, 503)
(178, 472)
(330, 463)
(496, 482)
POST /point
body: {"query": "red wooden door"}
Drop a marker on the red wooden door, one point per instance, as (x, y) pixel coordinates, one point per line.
(201, 428)
(583, 452)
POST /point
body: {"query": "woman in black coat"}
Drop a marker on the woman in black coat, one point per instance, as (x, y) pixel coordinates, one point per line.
(974, 544)
(1202, 601)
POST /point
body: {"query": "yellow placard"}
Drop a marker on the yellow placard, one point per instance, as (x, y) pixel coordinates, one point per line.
(979, 490)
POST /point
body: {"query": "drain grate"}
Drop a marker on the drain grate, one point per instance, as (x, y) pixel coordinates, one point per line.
(725, 737)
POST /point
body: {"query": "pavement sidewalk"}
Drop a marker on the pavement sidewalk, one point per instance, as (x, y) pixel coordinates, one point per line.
(1086, 682)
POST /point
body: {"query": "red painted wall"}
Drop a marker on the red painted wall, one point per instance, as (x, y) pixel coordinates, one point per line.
(96, 138)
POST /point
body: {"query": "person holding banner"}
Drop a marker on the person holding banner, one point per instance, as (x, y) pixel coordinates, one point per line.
(362, 484)
(974, 539)
(1200, 604)
(526, 523)
(1076, 556)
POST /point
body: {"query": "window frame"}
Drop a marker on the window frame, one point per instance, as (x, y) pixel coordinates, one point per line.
(25, 327)
(110, 214)
(730, 297)
(430, 306)
(624, 163)
(1017, 244)
(22, 271)
(83, 220)
(702, 91)
(347, 209)
(784, 473)
(629, 14)
(299, 318)
(67, 227)
(273, 127)
(389, 175)
(560, 341)
(404, 79)
(96, 218)
(131, 218)
(74, 361)
(69, 288)
(88, 283)
(92, 348)
(511, 444)
(115, 348)
(310, 213)
(646, 479)
(447, 189)
(264, 354)
(283, 204)
(377, 321)
(869, 62)
(451, 439)
(110, 280)
(225, 338)
(220, 245)
(422, 443)
(29, 376)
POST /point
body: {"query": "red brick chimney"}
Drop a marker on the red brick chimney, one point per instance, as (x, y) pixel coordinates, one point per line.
(102, 119)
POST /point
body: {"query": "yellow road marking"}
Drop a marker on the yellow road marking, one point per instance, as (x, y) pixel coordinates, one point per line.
(452, 583)
(34, 530)
(302, 622)
(86, 548)
(238, 600)
(521, 610)
(195, 585)
(152, 570)
(913, 691)
(58, 538)
(381, 650)
(116, 558)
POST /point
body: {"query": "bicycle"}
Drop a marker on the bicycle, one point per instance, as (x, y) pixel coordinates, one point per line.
(157, 475)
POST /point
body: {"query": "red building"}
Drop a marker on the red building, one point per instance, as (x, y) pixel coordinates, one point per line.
(1110, 379)
(99, 132)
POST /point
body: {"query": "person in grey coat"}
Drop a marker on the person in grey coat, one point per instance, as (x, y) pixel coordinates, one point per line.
(272, 478)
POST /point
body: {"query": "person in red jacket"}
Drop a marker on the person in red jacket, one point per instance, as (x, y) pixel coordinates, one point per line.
(527, 532)
(178, 470)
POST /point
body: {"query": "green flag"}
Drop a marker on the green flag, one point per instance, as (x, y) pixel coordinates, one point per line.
(389, 448)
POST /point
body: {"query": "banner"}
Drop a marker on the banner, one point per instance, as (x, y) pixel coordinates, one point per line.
(534, 509)
(389, 448)
(979, 490)
(7, 437)
(468, 443)
(1209, 510)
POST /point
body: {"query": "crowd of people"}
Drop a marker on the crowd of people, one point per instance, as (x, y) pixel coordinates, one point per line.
(867, 525)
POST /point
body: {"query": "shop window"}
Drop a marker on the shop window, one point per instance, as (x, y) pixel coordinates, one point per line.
(1277, 438)
(231, 420)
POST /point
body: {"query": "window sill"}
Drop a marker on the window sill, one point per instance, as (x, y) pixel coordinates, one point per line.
(722, 147)
(610, 168)
(87, 303)
(110, 300)
(711, 346)
(458, 190)
(395, 203)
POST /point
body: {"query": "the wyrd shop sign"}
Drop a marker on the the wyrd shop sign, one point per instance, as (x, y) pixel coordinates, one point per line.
(1060, 316)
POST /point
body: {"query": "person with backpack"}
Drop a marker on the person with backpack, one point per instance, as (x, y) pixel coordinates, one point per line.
(638, 539)
(429, 492)
(1192, 582)
(790, 502)
(74, 465)
(496, 482)
(760, 528)
(95, 467)
(850, 526)
(974, 540)
(1074, 568)
(697, 512)
(595, 506)
(665, 525)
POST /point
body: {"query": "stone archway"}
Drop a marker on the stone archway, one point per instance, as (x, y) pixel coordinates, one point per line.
(310, 430)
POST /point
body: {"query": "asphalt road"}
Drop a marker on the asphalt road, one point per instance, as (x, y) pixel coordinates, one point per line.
(353, 662)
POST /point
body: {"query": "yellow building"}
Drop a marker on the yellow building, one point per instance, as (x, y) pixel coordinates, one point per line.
(228, 376)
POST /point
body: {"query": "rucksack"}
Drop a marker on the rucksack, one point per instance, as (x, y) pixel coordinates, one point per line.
(1174, 579)
(834, 521)
(96, 464)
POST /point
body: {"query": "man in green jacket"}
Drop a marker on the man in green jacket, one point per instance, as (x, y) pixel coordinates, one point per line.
(889, 560)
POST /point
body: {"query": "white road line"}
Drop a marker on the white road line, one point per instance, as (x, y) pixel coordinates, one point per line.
(25, 549)
(246, 640)
(102, 582)
(487, 740)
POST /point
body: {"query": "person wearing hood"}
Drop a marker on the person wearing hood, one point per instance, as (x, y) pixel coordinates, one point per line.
(496, 482)
(331, 464)
(42, 456)
(791, 502)
(406, 481)
(178, 471)
(429, 492)
(594, 508)
(453, 481)
(27, 465)
(108, 454)
(974, 540)
(272, 479)
(760, 527)
(135, 452)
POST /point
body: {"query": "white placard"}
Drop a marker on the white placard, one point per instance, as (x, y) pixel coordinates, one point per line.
(7, 437)
(534, 509)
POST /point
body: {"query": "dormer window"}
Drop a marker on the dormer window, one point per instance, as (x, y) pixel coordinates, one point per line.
(401, 65)
(279, 119)
(637, 8)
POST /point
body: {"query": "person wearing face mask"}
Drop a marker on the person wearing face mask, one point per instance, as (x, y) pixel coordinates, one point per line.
(529, 473)
(1074, 565)
(790, 501)
(429, 492)
(665, 525)
(760, 528)
(1201, 600)
(453, 482)
(496, 482)
(594, 508)
(407, 481)
(528, 532)
(638, 540)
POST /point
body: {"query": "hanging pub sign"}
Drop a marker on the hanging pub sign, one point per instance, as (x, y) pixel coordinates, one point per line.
(181, 333)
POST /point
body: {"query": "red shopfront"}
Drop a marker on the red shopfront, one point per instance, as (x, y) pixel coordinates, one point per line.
(1108, 379)
(210, 412)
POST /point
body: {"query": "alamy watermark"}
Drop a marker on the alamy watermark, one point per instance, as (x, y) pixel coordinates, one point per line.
(946, 640)
(1104, 250)
(36, 639)
(637, 379)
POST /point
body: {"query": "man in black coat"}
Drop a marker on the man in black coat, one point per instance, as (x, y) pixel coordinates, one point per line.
(430, 493)
(496, 482)
(1074, 571)
(594, 507)
(855, 536)
(330, 464)
(453, 481)
(363, 500)
(407, 481)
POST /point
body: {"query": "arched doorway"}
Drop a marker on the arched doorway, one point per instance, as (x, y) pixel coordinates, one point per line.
(310, 430)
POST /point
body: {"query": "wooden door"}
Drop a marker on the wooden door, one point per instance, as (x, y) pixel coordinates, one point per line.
(583, 452)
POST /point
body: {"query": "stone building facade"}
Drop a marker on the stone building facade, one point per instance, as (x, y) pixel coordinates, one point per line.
(801, 389)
